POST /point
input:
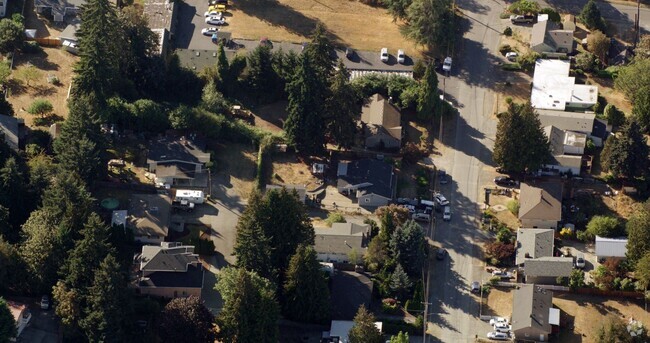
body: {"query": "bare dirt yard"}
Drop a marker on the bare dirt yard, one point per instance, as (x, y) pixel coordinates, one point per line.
(236, 164)
(499, 302)
(271, 117)
(51, 62)
(584, 314)
(289, 170)
(349, 23)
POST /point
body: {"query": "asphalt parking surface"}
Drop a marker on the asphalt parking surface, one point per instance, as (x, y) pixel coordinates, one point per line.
(191, 21)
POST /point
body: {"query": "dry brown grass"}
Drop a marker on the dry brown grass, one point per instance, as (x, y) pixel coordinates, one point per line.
(349, 23)
(287, 169)
(614, 97)
(499, 303)
(52, 61)
(237, 164)
(587, 313)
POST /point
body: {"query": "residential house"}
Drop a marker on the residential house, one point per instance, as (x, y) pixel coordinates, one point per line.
(611, 248)
(336, 243)
(534, 243)
(3, 8)
(550, 38)
(149, 217)
(566, 148)
(533, 314)
(170, 270)
(300, 190)
(68, 36)
(554, 89)
(340, 329)
(179, 161)
(540, 205)
(162, 18)
(58, 9)
(12, 130)
(372, 181)
(582, 122)
(546, 270)
(381, 122)
(22, 316)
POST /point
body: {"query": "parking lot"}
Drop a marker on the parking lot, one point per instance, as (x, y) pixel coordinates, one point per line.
(191, 21)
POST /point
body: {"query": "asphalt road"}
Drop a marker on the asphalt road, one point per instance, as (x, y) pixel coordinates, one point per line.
(453, 310)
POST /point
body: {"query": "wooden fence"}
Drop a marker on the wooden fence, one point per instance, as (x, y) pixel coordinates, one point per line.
(49, 42)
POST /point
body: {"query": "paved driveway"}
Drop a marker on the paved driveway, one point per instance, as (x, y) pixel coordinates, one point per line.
(43, 327)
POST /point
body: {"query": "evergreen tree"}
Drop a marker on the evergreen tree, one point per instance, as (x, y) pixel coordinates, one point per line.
(397, 8)
(638, 233)
(7, 323)
(250, 311)
(400, 283)
(591, 17)
(14, 196)
(320, 52)
(626, 156)
(186, 320)
(306, 296)
(10, 267)
(431, 23)
(401, 337)
(364, 329)
(70, 203)
(641, 109)
(42, 250)
(428, 94)
(409, 246)
(99, 50)
(269, 231)
(79, 145)
(304, 126)
(342, 109)
(106, 317)
(519, 129)
(225, 78)
(262, 78)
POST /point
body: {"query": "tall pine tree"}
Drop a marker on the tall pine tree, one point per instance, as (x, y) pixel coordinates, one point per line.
(304, 127)
(428, 94)
(342, 109)
(321, 53)
(626, 156)
(306, 296)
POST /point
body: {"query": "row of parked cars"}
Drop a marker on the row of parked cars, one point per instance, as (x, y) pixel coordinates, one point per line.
(214, 16)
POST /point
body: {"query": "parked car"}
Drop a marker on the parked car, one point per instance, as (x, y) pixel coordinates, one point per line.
(216, 2)
(515, 19)
(215, 20)
(349, 53)
(209, 31)
(383, 55)
(45, 302)
(504, 181)
(443, 177)
(580, 261)
(502, 274)
(475, 287)
(421, 217)
(499, 336)
(441, 254)
(213, 14)
(217, 8)
(511, 56)
(440, 199)
(502, 327)
(446, 215)
(497, 320)
(446, 65)
(401, 57)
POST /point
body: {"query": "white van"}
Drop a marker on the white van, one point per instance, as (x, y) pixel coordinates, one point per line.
(422, 217)
(446, 215)
(401, 57)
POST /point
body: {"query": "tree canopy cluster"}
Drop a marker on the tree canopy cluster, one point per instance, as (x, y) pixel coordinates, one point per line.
(431, 23)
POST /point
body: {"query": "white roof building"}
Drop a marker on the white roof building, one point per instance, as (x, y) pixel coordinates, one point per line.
(611, 247)
(554, 89)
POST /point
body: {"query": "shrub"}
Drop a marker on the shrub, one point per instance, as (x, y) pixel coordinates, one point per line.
(40, 107)
(524, 7)
(507, 31)
(412, 153)
(552, 14)
(513, 206)
(498, 251)
(419, 69)
(31, 48)
(504, 49)
(511, 66)
(505, 235)
(614, 116)
(527, 60)
(566, 233)
(393, 327)
(334, 217)
(586, 61)
(389, 306)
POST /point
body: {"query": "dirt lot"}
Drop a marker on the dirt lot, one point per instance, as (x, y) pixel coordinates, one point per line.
(349, 23)
(52, 61)
(237, 163)
(271, 117)
(498, 205)
(499, 303)
(287, 169)
(586, 313)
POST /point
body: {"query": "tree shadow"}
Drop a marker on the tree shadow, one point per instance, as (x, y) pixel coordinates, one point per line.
(277, 14)
(16, 86)
(43, 90)
(37, 59)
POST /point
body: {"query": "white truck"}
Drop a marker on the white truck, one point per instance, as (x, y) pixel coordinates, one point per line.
(194, 197)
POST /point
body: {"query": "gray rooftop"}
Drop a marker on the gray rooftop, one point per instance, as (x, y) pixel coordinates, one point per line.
(70, 32)
(183, 149)
(176, 170)
(59, 6)
(341, 238)
(548, 266)
(168, 257)
(149, 214)
(10, 128)
(534, 243)
(161, 14)
(530, 308)
(377, 177)
(571, 121)
(301, 190)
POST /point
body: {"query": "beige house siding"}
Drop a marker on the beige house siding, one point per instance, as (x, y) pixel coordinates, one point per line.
(539, 223)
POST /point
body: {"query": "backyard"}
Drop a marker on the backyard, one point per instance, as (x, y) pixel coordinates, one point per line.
(349, 23)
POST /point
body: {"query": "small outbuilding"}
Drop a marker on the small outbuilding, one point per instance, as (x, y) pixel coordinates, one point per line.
(611, 247)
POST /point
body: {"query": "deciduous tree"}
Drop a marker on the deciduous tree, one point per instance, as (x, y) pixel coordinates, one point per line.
(614, 116)
(250, 311)
(598, 43)
(376, 254)
(364, 329)
(11, 35)
(525, 7)
(642, 270)
(613, 329)
(28, 74)
(401, 337)
(519, 129)
(186, 320)
(431, 23)
(306, 296)
(603, 226)
(641, 108)
(638, 233)
(576, 279)
(42, 250)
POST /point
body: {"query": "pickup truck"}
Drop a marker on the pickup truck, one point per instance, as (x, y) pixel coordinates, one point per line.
(522, 19)
(182, 205)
